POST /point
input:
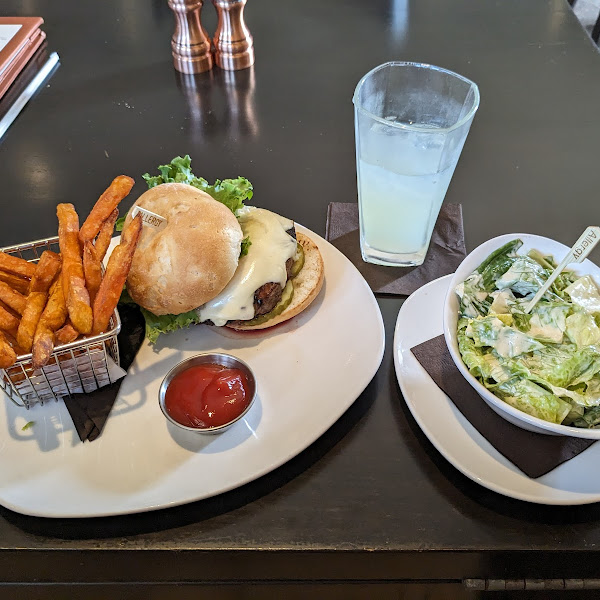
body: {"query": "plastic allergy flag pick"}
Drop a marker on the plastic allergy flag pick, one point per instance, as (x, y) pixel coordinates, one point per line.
(149, 218)
(582, 247)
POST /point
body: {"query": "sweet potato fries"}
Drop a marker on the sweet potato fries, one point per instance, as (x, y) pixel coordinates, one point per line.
(66, 296)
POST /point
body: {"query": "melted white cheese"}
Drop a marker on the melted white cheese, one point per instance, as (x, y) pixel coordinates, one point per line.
(269, 250)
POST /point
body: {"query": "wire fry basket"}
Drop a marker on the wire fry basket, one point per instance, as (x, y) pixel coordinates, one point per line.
(81, 366)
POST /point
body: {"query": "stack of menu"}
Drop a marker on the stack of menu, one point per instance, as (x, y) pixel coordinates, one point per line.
(20, 38)
(24, 65)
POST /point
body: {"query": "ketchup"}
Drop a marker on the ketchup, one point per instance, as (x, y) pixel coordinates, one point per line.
(207, 396)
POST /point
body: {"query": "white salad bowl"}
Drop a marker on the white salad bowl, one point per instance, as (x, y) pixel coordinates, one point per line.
(451, 306)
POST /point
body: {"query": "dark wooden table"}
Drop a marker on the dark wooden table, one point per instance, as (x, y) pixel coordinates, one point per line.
(371, 509)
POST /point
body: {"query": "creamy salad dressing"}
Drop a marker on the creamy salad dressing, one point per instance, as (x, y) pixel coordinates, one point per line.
(271, 246)
(501, 300)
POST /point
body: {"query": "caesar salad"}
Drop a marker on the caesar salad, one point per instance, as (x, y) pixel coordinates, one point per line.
(545, 363)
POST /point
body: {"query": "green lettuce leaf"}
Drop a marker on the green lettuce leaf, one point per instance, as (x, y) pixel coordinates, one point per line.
(155, 324)
(590, 419)
(120, 223)
(471, 355)
(582, 329)
(246, 243)
(474, 299)
(230, 192)
(525, 276)
(507, 341)
(179, 170)
(549, 322)
(584, 293)
(564, 365)
(497, 263)
(533, 400)
(502, 301)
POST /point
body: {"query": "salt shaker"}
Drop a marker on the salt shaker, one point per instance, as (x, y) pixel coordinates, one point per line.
(190, 43)
(234, 48)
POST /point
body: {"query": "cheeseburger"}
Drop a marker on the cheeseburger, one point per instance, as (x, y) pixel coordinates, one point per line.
(244, 269)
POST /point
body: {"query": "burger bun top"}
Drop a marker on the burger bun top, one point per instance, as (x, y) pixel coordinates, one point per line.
(189, 261)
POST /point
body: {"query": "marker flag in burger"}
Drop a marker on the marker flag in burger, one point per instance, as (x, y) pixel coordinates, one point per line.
(149, 218)
(214, 260)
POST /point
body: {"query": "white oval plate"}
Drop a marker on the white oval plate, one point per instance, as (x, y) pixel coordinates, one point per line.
(309, 372)
(419, 320)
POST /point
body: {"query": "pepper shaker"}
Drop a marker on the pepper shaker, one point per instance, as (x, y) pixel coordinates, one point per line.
(234, 47)
(190, 43)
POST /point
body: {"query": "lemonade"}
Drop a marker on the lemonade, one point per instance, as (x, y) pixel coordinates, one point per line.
(398, 211)
(411, 122)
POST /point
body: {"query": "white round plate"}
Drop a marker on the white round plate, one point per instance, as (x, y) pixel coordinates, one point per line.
(309, 372)
(419, 320)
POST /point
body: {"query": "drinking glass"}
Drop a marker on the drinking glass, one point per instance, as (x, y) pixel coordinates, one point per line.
(411, 122)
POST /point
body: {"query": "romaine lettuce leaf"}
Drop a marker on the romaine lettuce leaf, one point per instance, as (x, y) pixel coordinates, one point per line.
(474, 299)
(563, 365)
(497, 263)
(502, 300)
(525, 276)
(507, 341)
(533, 400)
(591, 418)
(549, 322)
(584, 293)
(582, 329)
(471, 355)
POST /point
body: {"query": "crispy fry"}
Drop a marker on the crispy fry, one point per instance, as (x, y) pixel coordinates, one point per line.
(16, 265)
(29, 321)
(20, 284)
(45, 272)
(13, 342)
(105, 234)
(8, 356)
(66, 334)
(12, 298)
(53, 317)
(55, 312)
(76, 294)
(43, 344)
(116, 191)
(10, 310)
(78, 305)
(116, 273)
(92, 269)
(8, 322)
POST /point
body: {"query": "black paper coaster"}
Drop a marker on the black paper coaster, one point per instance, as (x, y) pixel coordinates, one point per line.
(534, 453)
(90, 411)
